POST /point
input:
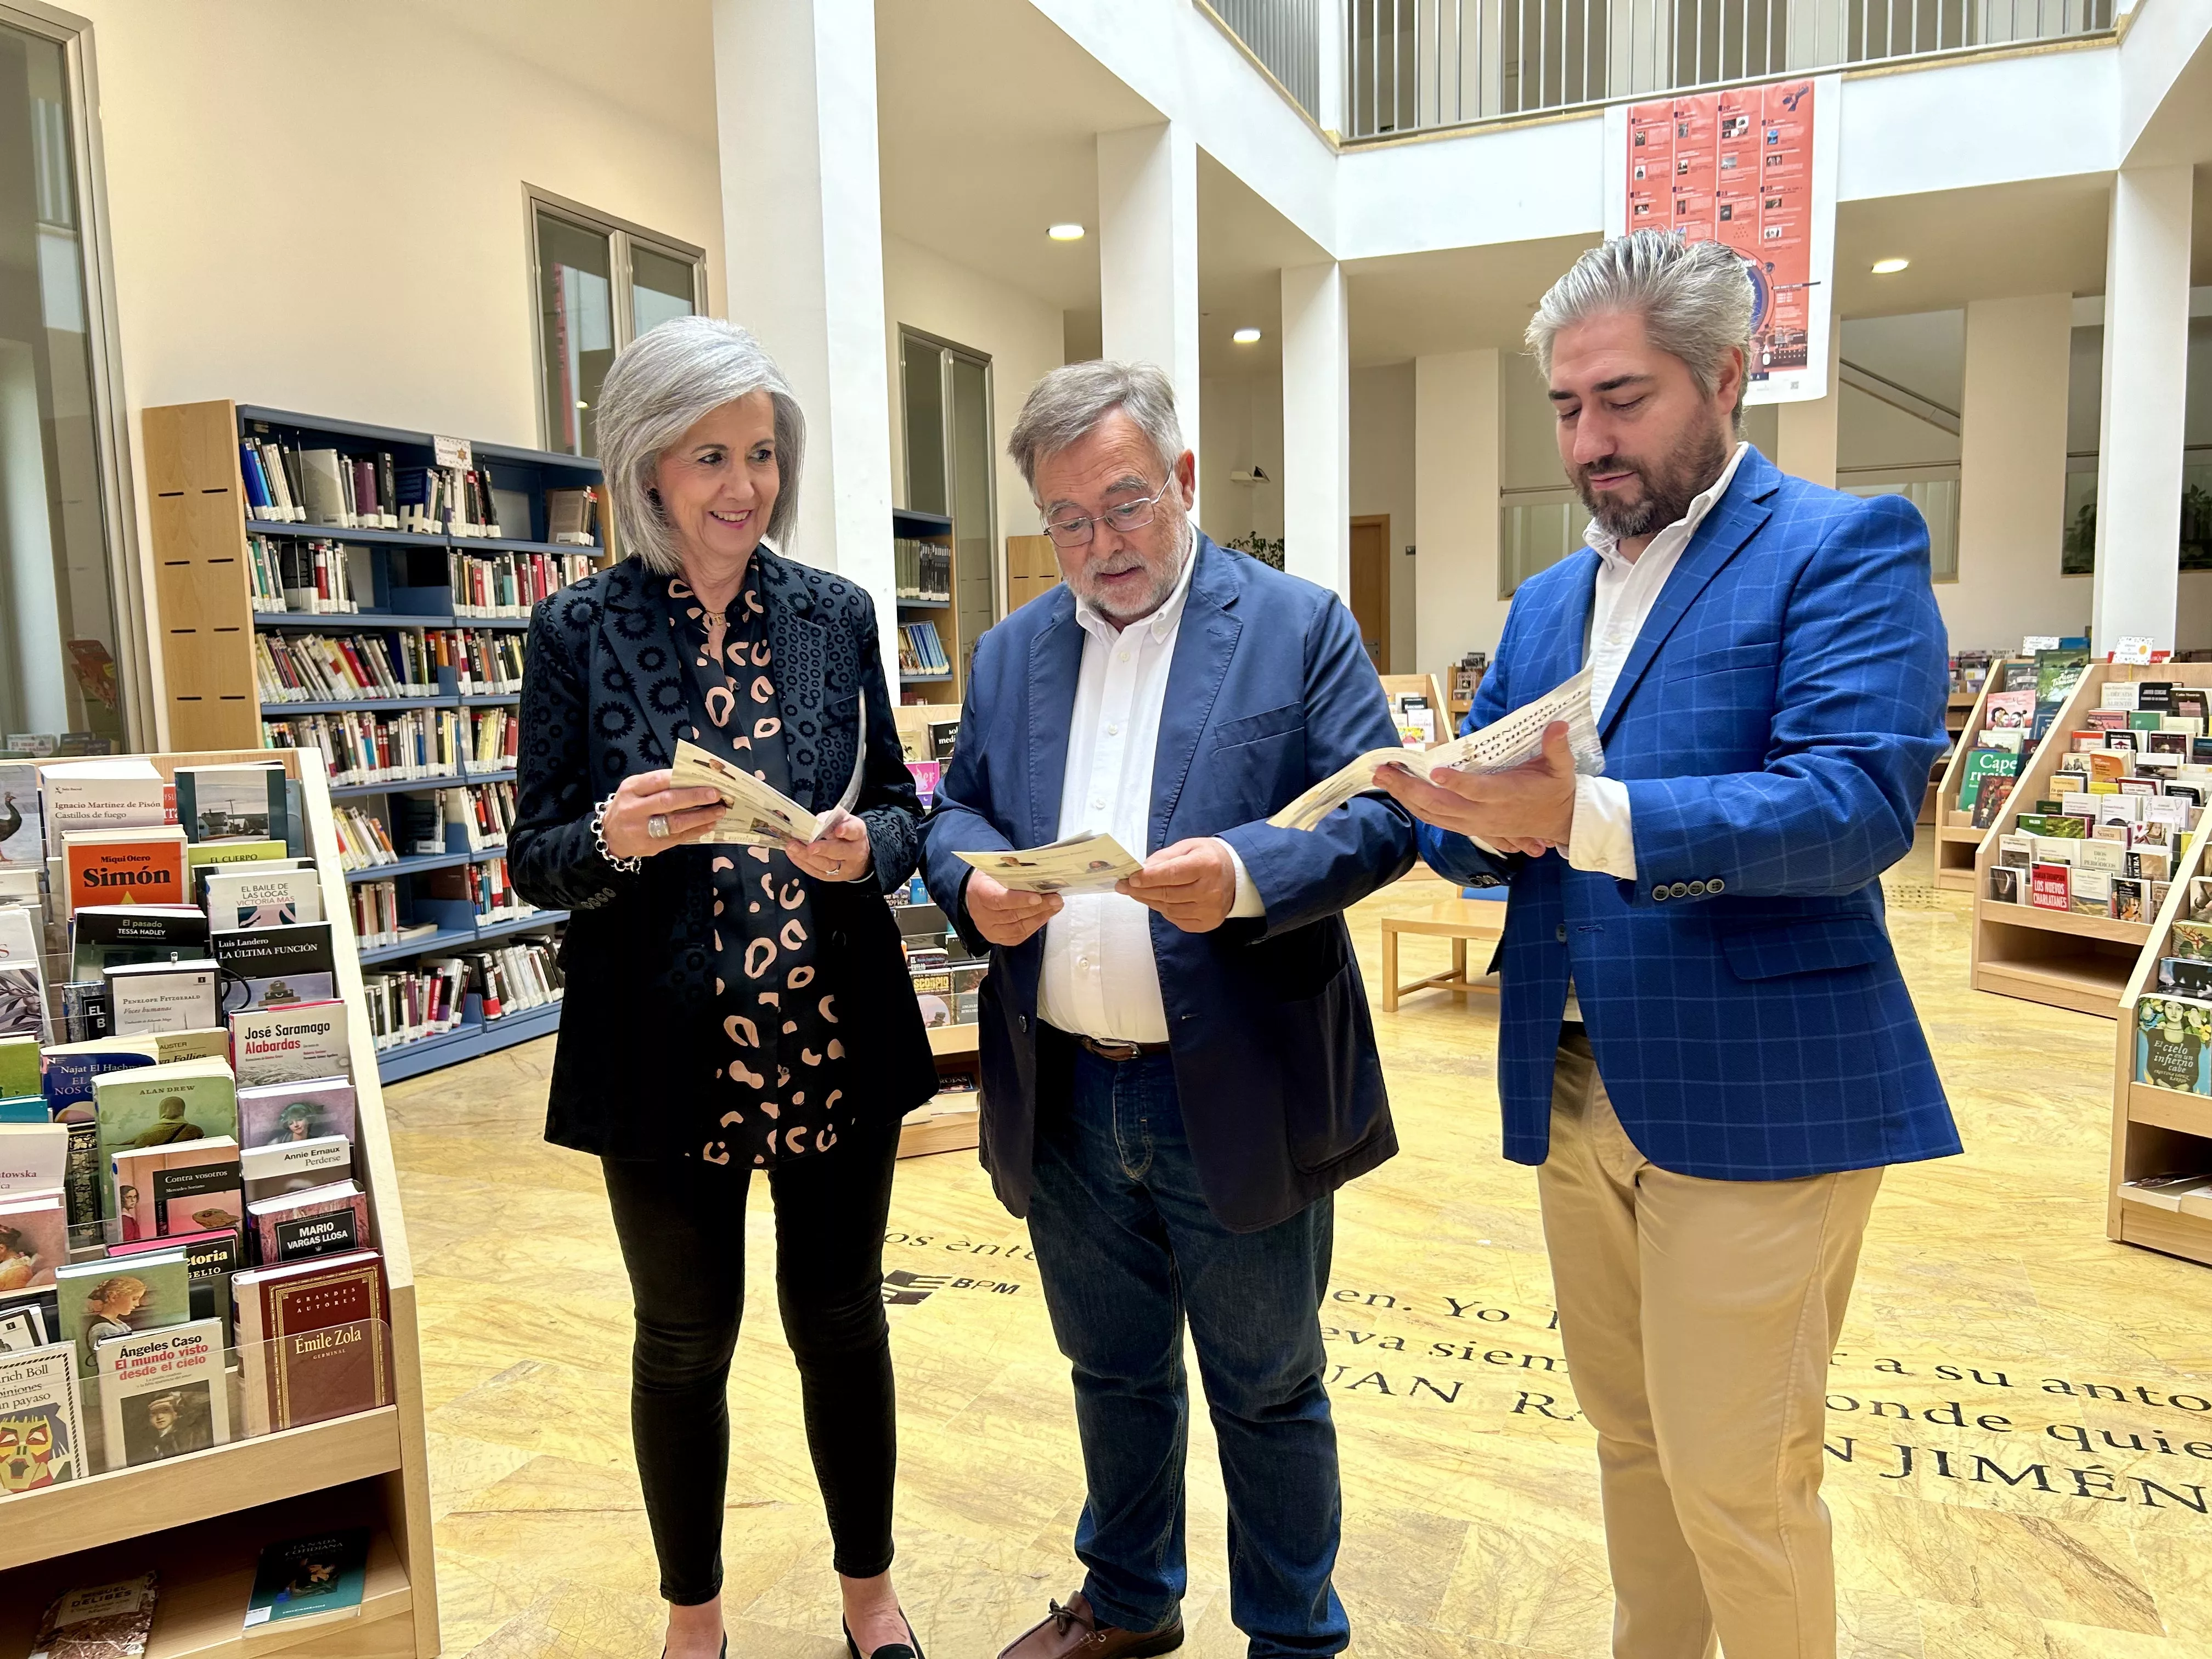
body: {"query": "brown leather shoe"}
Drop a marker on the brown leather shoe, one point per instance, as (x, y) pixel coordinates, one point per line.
(1071, 1632)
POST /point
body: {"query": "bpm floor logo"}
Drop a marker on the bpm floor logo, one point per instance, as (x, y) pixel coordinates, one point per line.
(902, 1289)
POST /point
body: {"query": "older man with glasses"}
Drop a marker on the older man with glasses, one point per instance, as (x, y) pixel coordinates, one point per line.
(1177, 1074)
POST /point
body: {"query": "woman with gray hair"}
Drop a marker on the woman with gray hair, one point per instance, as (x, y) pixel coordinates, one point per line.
(715, 982)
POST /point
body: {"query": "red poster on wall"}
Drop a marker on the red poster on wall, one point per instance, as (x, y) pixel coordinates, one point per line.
(1750, 167)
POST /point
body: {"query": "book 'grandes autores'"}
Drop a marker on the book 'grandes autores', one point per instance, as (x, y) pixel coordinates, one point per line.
(314, 1340)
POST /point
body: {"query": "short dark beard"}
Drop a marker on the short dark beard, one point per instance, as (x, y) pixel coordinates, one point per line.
(1671, 483)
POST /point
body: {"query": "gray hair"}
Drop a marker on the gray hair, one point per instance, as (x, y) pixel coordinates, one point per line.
(1694, 297)
(659, 386)
(1068, 403)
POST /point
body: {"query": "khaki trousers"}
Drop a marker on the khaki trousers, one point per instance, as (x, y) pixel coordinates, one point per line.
(1697, 1318)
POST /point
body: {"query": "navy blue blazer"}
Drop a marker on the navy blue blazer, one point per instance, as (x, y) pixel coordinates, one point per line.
(1269, 691)
(1774, 725)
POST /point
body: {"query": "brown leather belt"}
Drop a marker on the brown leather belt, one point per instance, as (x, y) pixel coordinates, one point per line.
(1116, 1052)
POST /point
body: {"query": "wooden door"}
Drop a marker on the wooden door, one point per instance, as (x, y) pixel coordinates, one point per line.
(1032, 570)
(1370, 585)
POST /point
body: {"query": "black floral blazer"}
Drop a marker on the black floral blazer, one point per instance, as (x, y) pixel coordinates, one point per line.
(605, 694)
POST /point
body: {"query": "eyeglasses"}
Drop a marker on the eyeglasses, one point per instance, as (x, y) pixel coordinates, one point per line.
(1076, 530)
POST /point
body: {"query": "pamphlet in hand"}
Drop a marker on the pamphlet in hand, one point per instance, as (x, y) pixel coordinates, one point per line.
(1496, 747)
(753, 815)
(1088, 863)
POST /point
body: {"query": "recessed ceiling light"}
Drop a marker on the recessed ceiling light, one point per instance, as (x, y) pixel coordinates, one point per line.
(1246, 336)
(1889, 267)
(1065, 232)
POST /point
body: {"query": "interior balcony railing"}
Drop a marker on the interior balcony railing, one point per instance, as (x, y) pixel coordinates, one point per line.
(1415, 65)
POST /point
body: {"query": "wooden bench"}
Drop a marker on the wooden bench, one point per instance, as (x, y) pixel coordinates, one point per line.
(1458, 919)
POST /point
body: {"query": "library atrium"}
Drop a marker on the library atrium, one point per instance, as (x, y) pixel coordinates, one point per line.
(1538, 672)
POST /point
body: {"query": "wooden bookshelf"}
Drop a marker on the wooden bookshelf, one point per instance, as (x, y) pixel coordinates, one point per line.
(202, 1519)
(2157, 1131)
(1395, 686)
(208, 626)
(1957, 841)
(2050, 957)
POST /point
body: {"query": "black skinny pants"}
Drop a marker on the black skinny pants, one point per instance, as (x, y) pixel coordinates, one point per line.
(682, 1223)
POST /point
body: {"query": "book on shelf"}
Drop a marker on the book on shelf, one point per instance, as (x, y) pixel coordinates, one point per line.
(212, 1257)
(2173, 1042)
(2009, 709)
(161, 996)
(305, 1583)
(101, 1300)
(920, 651)
(187, 1187)
(290, 1043)
(231, 803)
(30, 1319)
(314, 1340)
(273, 1114)
(22, 821)
(362, 747)
(238, 902)
(41, 1437)
(22, 974)
(98, 1620)
(161, 1106)
(34, 1158)
(294, 1166)
(163, 1393)
(35, 1237)
(1981, 765)
(2050, 887)
(272, 967)
(104, 936)
(572, 515)
(140, 865)
(327, 1220)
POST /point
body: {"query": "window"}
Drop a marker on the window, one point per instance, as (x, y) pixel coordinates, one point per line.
(69, 651)
(598, 283)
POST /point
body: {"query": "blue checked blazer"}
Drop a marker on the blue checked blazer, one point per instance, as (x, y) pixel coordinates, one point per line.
(1774, 725)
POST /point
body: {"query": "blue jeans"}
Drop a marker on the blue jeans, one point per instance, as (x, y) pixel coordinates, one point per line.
(1127, 1249)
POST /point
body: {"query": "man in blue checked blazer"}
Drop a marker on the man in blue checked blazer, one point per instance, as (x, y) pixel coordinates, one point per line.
(1706, 1045)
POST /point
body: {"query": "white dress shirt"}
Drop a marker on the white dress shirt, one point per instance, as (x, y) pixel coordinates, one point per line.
(1620, 602)
(1100, 979)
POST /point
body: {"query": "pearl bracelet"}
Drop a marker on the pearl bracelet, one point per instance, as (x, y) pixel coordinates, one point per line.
(600, 839)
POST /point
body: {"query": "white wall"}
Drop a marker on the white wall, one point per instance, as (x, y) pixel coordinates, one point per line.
(1021, 334)
(320, 208)
(1383, 482)
(1455, 461)
(1242, 417)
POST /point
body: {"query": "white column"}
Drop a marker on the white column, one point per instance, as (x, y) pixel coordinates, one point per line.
(2137, 586)
(1316, 428)
(2012, 458)
(795, 104)
(1456, 437)
(1148, 256)
(1805, 432)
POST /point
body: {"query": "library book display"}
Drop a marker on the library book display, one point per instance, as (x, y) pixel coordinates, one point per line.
(237, 1440)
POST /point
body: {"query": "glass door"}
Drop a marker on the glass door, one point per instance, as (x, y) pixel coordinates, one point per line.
(62, 656)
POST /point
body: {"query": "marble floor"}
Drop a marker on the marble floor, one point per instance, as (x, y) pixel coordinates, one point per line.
(2022, 1446)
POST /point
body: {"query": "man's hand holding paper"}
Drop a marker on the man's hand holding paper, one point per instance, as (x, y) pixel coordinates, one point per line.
(1529, 808)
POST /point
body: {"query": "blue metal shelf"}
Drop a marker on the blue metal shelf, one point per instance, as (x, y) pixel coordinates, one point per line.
(467, 1042)
(925, 604)
(445, 938)
(416, 863)
(277, 711)
(915, 679)
(490, 699)
(401, 786)
(338, 621)
(331, 533)
(520, 924)
(512, 544)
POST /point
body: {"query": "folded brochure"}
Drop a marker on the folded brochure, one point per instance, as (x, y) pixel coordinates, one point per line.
(753, 815)
(1505, 743)
(1087, 863)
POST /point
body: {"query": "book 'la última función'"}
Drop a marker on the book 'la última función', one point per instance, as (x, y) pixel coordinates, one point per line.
(41, 1438)
(324, 1336)
(163, 1393)
(272, 967)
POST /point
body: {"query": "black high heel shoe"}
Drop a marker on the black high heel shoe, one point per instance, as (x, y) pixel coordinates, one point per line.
(911, 1647)
(726, 1648)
